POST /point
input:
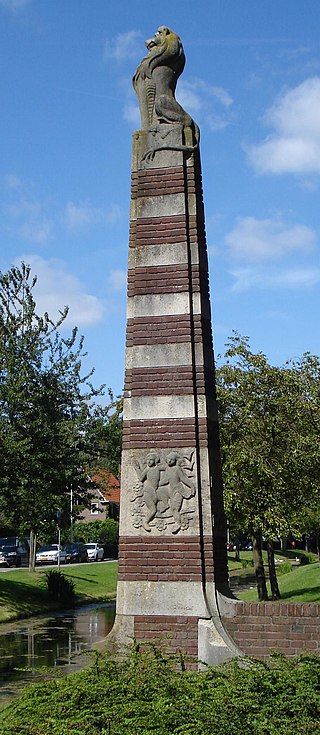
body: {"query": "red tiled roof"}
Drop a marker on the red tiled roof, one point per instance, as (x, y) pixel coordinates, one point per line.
(108, 484)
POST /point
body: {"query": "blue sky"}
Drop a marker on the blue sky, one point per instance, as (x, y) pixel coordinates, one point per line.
(252, 83)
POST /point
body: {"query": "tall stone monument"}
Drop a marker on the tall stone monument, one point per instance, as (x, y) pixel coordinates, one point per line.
(172, 552)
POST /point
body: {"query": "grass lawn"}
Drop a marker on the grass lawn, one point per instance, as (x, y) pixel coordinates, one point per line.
(23, 593)
(279, 555)
(302, 584)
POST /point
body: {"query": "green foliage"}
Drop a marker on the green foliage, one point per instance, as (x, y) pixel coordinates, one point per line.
(305, 558)
(256, 406)
(105, 533)
(23, 594)
(245, 563)
(284, 568)
(47, 416)
(151, 694)
(108, 433)
(60, 588)
(270, 441)
(301, 585)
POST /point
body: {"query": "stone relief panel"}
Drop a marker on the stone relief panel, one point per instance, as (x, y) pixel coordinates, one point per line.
(163, 496)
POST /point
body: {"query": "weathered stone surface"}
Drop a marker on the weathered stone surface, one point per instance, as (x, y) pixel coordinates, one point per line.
(172, 528)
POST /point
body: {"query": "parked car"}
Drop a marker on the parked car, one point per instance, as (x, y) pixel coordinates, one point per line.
(21, 546)
(95, 552)
(49, 554)
(76, 552)
(9, 555)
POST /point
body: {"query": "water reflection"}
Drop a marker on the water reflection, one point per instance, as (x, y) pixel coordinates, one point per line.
(28, 651)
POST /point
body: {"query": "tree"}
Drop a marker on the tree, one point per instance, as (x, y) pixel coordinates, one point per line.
(107, 430)
(105, 533)
(307, 374)
(47, 414)
(261, 452)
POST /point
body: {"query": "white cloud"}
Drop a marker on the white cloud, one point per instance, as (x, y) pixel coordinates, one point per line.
(113, 214)
(57, 288)
(79, 216)
(38, 232)
(33, 224)
(212, 104)
(290, 278)
(131, 113)
(12, 181)
(266, 239)
(294, 145)
(117, 280)
(13, 5)
(124, 46)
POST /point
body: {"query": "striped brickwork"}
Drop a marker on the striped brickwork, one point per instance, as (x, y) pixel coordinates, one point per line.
(167, 562)
(169, 559)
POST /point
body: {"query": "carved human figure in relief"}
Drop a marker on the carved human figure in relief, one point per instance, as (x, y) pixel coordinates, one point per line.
(180, 486)
(155, 83)
(149, 476)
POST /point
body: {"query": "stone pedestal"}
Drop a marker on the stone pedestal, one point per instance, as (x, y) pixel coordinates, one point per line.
(172, 553)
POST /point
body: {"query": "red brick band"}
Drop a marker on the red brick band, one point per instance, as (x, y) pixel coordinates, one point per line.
(179, 561)
(164, 230)
(163, 279)
(177, 380)
(150, 330)
(165, 558)
(159, 182)
(167, 433)
(175, 634)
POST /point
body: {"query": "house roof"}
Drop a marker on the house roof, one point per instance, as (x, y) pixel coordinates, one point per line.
(108, 484)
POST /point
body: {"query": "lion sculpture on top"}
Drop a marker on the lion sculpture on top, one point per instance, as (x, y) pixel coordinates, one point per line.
(155, 83)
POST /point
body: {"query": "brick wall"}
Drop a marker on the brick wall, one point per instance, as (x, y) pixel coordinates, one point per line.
(165, 559)
(175, 634)
(289, 628)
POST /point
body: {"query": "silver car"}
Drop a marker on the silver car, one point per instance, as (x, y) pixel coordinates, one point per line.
(50, 554)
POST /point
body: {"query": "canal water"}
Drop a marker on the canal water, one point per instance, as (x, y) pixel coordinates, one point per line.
(33, 650)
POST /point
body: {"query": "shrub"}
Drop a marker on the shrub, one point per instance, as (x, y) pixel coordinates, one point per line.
(246, 563)
(284, 568)
(306, 558)
(151, 694)
(60, 588)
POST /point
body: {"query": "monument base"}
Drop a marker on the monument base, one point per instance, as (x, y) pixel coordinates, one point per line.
(176, 617)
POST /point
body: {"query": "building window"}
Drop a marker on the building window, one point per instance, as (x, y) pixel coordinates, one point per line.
(94, 508)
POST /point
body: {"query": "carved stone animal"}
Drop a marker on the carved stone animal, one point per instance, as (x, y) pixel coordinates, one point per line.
(155, 83)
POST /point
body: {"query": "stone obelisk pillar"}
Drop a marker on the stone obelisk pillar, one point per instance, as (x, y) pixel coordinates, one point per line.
(172, 552)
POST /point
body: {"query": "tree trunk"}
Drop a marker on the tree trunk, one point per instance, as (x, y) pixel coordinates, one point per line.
(318, 546)
(259, 568)
(32, 551)
(275, 592)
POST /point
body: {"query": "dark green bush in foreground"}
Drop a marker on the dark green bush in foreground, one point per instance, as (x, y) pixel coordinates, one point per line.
(148, 695)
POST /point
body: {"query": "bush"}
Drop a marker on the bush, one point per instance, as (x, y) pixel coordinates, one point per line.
(60, 588)
(152, 694)
(306, 558)
(284, 568)
(246, 563)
